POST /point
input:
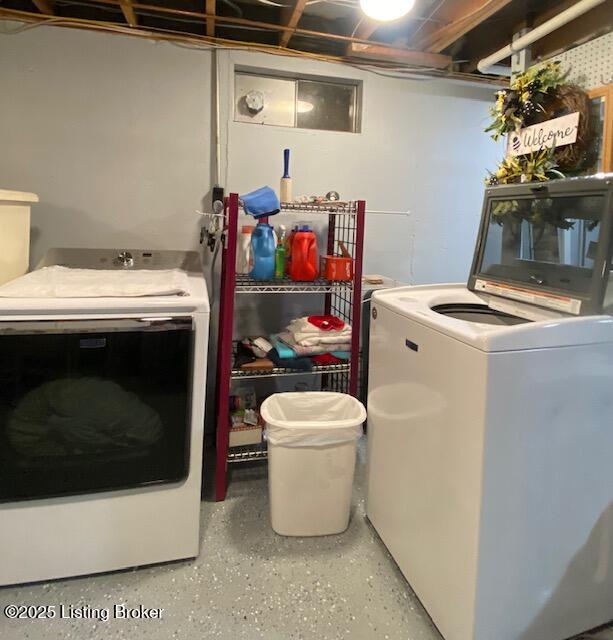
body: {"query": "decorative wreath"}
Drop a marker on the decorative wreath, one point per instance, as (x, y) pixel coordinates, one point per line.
(566, 99)
(520, 105)
(539, 94)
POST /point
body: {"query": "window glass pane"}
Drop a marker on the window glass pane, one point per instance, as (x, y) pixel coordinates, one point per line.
(324, 105)
(549, 242)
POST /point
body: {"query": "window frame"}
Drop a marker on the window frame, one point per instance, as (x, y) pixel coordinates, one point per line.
(296, 78)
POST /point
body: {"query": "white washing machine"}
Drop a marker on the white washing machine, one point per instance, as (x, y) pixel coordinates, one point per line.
(101, 423)
(490, 445)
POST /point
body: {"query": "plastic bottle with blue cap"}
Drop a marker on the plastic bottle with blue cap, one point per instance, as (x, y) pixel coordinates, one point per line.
(263, 246)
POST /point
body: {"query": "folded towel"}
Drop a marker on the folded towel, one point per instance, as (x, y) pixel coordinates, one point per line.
(326, 359)
(261, 203)
(342, 355)
(62, 282)
(321, 325)
(327, 323)
(308, 335)
(311, 350)
(308, 340)
(283, 349)
(300, 364)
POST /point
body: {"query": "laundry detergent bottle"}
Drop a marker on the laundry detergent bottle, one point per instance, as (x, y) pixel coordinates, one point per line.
(244, 259)
(263, 245)
(305, 259)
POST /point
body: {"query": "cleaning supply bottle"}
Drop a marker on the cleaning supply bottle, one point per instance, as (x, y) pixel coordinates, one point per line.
(263, 248)
(288, 250)
(244, 257)
(280, 254)
(305, 258)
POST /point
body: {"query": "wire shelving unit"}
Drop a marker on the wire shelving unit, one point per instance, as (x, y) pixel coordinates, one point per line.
(346, 224)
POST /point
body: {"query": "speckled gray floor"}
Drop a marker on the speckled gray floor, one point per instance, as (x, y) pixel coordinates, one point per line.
(248, 583)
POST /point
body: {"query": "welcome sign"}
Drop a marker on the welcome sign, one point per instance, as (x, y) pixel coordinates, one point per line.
(552, 133)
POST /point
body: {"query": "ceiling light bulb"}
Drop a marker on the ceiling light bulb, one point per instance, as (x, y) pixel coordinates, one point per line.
(386, 10)
(304, 106)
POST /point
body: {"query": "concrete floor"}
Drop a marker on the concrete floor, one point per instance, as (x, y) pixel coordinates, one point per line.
(248, 583)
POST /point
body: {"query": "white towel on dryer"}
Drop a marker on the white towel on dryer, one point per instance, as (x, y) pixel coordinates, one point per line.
(63, 282)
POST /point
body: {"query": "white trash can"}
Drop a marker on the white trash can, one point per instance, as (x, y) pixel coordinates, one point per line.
(312, 440)
(14, 233)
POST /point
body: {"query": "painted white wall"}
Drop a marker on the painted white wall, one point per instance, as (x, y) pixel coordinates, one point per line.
(422, 148)
(114, 134)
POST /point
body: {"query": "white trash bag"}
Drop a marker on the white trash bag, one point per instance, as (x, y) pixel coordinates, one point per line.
(312, 419)
(312, 444)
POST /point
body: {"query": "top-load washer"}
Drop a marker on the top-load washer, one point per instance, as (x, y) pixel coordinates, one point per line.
(102, 421)
(491, 422)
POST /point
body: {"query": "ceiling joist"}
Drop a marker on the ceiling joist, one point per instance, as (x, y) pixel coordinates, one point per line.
(45, 6)
(403, 56)
(460, 17)
(128, 12)
(210, 9)
(290, 17)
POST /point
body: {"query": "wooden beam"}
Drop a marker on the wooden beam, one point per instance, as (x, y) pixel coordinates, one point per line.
(225, 20)
(45, 6)
(210, 22)
(193, 39)
(460, 17)
(404, 56)
(290, 17)
(128, 12)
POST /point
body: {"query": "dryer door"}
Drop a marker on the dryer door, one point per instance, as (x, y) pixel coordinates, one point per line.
(93, 405)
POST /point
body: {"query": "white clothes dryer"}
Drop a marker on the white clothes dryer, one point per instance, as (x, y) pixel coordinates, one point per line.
(101, 422)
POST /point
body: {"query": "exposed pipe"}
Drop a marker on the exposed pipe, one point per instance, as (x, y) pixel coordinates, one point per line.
(215, 60)
(487, 65)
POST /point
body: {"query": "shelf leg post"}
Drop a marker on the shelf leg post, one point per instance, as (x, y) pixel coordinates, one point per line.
(330, 249)
(224, 350)
(356, 315)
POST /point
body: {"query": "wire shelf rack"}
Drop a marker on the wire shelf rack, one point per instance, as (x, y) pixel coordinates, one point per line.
(335, 208)
(246, 284)
(239, 374)
(248, 453)
(342, 298)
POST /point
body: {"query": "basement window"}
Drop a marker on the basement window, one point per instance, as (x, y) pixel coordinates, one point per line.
(305, 102)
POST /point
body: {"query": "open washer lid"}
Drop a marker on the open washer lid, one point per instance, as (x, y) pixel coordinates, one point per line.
(548, 244)
(467, 316)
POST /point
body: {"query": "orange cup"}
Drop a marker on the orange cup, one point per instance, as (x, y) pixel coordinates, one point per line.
(337, 268)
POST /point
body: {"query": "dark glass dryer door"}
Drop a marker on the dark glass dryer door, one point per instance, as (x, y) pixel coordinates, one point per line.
(96, 405)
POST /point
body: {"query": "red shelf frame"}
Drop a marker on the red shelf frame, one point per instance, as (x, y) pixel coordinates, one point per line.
(346, 298)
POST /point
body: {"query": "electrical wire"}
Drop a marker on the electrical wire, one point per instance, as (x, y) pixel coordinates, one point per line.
(358, 25)
(233, 5)
(350, 3)
(463, 18)
(148, 14)
(430, 16)
(190, 41)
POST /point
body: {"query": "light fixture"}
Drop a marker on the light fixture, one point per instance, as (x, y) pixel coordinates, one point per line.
(386, 10)
(303, 106)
